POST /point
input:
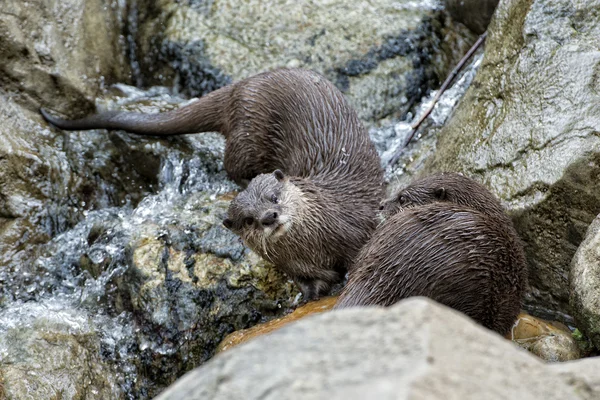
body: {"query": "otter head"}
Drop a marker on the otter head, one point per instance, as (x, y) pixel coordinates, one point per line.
(264, 211)
(447, 186)
(413, 195)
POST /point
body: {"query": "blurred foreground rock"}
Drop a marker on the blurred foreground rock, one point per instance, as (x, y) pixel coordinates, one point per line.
(417, 349)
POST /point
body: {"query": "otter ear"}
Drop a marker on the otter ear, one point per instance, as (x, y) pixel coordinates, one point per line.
(227, 223)
(278, 175)
(440, 193)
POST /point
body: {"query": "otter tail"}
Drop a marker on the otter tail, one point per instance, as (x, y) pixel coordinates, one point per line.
(203, 115)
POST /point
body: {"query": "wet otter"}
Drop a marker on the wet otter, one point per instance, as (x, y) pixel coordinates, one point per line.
(448, 239)
(309, 217)
(450, 187)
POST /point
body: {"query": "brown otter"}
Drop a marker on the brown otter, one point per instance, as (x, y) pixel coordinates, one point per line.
(449, 187)
(448, 240)
(312, 215)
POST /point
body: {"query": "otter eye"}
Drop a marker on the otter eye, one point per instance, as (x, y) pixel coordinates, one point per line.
(248, 221)
(274, 198)
(401, 199)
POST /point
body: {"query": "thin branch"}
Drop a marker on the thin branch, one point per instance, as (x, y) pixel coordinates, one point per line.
(443, 88)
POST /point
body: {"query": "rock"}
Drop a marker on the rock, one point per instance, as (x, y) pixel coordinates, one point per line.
(56, 53)
(551, 341)
(185, 279)
(385, 55)
(416, 349)
(581, 374)
(60, 52)
(49, 351)
(585, 283)
(474, 14)
(50, 180)
(239, 337)
(528, 129)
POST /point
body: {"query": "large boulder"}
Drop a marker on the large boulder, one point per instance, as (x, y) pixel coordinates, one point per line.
(416, 349)
(585, 283)
(384, 54)
(528, 129)
(581, 374)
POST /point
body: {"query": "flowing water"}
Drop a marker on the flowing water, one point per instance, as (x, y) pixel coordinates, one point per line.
(82, 300)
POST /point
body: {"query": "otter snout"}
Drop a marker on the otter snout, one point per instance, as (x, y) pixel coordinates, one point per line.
(269, 219)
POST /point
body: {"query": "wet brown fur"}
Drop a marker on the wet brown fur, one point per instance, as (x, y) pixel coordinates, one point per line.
(449, 240)
(295, 121)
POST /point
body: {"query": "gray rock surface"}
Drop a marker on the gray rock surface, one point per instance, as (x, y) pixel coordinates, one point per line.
(581, 374)
(384, 54)
(53, 354)
(528, 129)
(60, 52)
(585, 284)
(417, 349)
(54, 53)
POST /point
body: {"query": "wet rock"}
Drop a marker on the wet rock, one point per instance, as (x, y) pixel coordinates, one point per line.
(551, 341)
(57, 54)
(239, 337)
(385, 55)
(185, 289)
(528, 129)
(585, 284)
(60, 52)
(408, 351)
(474, 14)
(52, 353)
(50, 180)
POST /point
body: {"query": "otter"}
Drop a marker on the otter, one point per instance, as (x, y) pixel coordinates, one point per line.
(315, 177)
(446, 237)
(448, 187)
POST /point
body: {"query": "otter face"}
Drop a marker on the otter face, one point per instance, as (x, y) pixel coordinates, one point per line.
(414, 195)
(263, 212)
(447, 186)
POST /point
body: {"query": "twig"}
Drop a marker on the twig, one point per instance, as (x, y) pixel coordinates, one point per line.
(443, 88)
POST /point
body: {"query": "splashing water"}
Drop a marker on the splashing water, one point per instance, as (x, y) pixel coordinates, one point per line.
(78, 298)
(389, 138)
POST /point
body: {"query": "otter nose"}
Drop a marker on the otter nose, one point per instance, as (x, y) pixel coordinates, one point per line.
(269, 218)
(381, 207)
